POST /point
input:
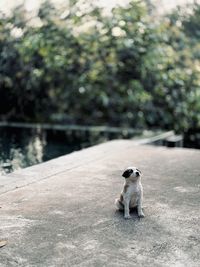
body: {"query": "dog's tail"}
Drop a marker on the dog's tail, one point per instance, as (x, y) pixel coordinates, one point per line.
(119, 204)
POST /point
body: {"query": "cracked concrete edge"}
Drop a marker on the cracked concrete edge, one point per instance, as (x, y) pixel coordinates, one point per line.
(45, 170)
(154, 138)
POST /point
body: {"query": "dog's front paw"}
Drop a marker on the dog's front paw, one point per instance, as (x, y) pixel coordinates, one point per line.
(127, 217)
(141, 215)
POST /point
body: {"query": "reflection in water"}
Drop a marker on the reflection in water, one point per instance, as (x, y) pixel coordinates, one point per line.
(35, 147)
(21, 147)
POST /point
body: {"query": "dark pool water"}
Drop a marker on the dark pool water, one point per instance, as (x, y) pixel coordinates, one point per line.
(21, 147)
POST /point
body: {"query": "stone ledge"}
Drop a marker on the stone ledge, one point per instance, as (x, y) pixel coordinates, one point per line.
(65, 215)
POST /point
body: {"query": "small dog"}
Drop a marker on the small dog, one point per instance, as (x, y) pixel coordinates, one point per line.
(132, 193)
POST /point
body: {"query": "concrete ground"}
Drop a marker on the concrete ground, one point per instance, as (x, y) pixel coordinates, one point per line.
(62, 213)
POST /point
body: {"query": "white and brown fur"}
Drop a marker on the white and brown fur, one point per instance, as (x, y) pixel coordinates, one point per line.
(132, 193)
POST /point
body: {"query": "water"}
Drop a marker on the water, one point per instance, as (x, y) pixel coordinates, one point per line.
(21, 147)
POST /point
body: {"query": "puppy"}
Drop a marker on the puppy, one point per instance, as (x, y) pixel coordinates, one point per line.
(132, 193)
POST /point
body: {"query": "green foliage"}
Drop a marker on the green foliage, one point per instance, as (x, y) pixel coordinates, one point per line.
(191, 21)
(84, 66)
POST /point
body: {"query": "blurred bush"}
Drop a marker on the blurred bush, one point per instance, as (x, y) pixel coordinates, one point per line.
(84, 66)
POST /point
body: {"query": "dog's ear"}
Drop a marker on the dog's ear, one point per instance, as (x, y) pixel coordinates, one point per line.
(127, 173)
(139, 171)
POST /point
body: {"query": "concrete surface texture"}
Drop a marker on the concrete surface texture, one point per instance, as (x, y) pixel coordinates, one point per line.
(62, 213)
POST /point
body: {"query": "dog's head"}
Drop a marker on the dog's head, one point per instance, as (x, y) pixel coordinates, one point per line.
(132, 172)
